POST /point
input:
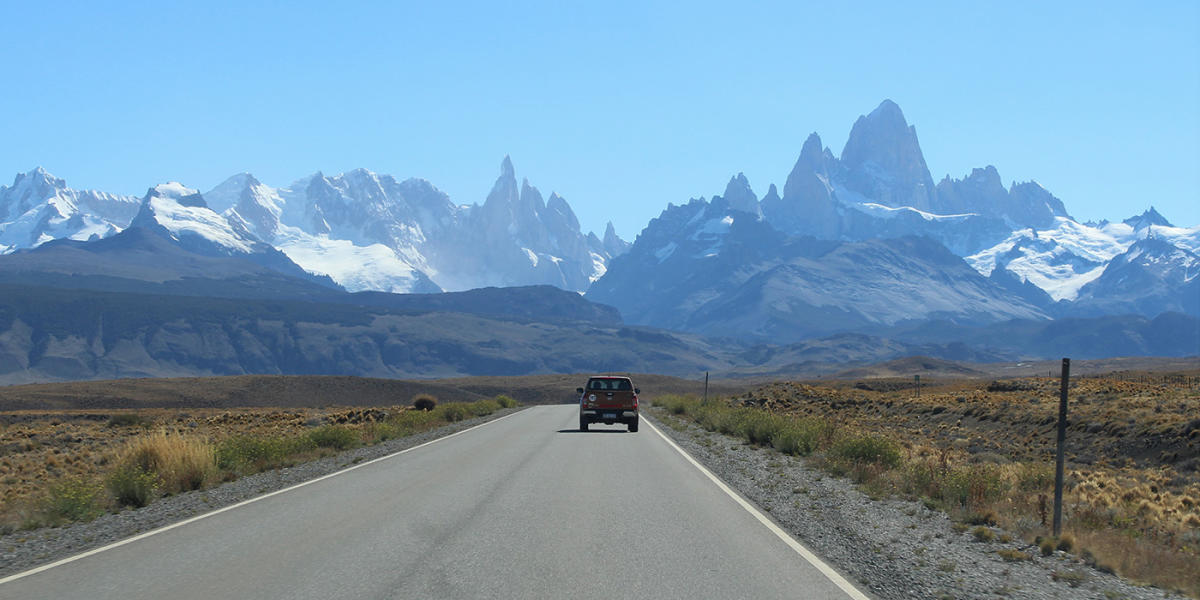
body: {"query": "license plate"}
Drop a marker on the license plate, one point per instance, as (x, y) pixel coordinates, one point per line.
(610, 415)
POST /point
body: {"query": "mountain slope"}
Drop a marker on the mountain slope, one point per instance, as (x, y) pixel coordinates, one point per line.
(139, 260)
(180, 215)
(51, 334)
(1064, 258)
(1152, 277)
(372, 232)
(707, 268)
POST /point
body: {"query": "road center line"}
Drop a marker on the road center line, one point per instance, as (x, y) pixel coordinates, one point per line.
(135, 538)
(799, 548)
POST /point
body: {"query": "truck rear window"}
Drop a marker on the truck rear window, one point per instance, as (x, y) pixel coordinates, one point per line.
(610, 384)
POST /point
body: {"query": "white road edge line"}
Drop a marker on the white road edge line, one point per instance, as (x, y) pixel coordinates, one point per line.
(804, 553)
(142, 536)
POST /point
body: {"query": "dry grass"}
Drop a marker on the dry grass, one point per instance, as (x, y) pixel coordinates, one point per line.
(318, 391)
(69, 465)
(983, 451)
(180, 463)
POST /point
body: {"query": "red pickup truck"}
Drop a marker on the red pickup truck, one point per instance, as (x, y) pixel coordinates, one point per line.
(608, 400)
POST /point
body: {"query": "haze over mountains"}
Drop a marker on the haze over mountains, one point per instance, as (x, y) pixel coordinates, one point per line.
(861, 257)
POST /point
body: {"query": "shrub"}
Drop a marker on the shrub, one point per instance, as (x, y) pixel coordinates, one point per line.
(800, 437)
(984, 518)
(973, 485)
(757, 426)
(983, 534)
(127, 420)
(334, 436)
(676, 404)
(482, 408)
(1035, 477)
(454, 412)
(1011, 555)
(250, 454)
(425, 402)
(412, 420)
(1046, 546)
(1072, 578)
(1065, 543)
(74, 499)
(382, 432)
(505, 401)
(868, 449)
(133, 486)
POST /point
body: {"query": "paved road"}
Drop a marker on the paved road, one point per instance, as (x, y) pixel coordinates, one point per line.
(522, 507)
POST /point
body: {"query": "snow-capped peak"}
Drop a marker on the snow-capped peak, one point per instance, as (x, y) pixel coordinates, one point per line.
(182, 212)
(39, 207)
(173, 190)
(1149, 218)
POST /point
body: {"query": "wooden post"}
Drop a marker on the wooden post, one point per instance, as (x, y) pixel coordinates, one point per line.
(917, 378)
(706, 386)
(1061, 455)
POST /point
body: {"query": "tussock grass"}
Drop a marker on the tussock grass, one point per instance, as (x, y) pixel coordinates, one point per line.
(178, 463)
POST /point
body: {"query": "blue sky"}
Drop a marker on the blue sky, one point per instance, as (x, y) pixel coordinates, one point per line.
(621, 107)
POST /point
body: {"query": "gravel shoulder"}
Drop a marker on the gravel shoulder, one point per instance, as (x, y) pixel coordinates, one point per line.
(23, 550)
(890, 548)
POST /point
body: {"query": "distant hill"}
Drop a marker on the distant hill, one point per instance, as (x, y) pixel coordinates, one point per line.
(51, 334)
(910, 366)
(55, 334)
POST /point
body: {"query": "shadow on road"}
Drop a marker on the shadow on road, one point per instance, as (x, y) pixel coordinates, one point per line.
(593, 431)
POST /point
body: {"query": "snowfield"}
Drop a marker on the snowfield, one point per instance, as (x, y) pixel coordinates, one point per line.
(1063, 259)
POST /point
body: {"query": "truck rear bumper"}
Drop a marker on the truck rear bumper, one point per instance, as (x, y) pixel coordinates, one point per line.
(607, 415)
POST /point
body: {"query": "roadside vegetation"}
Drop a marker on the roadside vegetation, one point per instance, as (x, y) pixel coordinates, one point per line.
(59, 468)
(1137, 515)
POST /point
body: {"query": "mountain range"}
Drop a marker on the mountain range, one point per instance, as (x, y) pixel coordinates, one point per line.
(361, 230)
(868, 240)
(862, 257)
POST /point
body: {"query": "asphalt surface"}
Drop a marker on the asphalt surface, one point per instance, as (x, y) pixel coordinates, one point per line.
(522, 507)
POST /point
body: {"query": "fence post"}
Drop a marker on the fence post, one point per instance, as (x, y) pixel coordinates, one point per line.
(706, 386)
(1061, 455)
